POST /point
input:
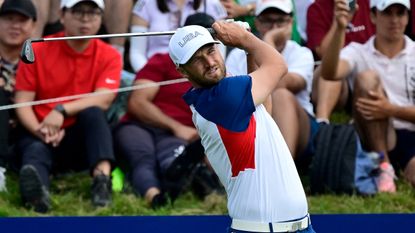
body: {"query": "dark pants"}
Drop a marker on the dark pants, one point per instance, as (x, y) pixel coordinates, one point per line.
(85, 144)
(149, 151)
(4, 128)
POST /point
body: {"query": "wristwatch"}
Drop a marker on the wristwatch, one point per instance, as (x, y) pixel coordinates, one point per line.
(61, 110)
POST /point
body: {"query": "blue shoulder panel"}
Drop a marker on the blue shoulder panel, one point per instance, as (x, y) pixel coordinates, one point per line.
(228, 104)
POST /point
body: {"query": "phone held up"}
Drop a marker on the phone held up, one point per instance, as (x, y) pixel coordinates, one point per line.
(352, 5)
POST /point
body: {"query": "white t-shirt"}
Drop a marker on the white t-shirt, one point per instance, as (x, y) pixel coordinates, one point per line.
(397, 74)
(299, 60)
(170, 21)
(301, 7)
(248, 153)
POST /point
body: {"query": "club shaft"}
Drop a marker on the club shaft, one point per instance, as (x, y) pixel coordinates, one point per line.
(166, 33)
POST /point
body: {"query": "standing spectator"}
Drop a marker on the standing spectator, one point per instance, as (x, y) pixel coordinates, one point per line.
(17, 21)
(274, 20)
(51, 130)
(241, 140)
(163, 15)
(380, 72)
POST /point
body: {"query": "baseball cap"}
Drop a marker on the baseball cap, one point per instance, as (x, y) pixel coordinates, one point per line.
(381, 5)
(24, 7)
(201, 19)
(283, 5)
(186, 41)
(71, 3)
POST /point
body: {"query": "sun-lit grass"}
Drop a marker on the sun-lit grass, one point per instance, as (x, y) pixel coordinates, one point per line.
(70, 195)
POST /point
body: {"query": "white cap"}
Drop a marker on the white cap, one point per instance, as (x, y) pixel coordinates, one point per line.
(283, 5)
(71, 3)
(381, 5)
(186, 41)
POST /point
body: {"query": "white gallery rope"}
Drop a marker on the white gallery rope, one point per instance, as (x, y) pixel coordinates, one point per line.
(71, 97)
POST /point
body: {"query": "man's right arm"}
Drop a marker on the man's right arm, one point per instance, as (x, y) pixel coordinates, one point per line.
(332, 68)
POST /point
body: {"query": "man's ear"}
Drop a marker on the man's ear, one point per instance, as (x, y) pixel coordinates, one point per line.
(183, 72)
(373, 16)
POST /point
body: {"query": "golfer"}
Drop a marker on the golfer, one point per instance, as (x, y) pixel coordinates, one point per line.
(241, 140)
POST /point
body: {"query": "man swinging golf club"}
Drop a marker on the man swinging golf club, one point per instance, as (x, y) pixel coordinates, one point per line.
(241, 140)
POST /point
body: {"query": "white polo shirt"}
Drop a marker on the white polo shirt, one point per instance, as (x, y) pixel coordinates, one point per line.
(397, 74)
(299, 60)
(248, 153)
(170, 21)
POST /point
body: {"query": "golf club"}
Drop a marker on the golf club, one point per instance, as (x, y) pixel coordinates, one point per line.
(27, 55)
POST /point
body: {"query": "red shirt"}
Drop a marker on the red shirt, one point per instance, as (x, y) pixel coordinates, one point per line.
(61, 71)
(169, 97)
(320, 18)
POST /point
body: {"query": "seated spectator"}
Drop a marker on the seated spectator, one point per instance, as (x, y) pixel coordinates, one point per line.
(66, 68)
(158, 131)
(163, 15)
(17, 21)
(274, 22)
(379, 72)
(330, 95)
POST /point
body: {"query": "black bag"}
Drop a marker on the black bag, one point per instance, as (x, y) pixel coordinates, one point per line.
(340, 165)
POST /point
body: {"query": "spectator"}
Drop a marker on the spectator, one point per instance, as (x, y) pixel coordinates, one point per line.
(17, 21)
(321, 25)
(163, 15)
(380, 72)
(328, 95)
(65, 68)
(274, 22)
(157, 128)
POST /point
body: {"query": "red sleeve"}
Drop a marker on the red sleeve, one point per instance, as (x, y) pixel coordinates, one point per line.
(153, 70)
(25, 79)
(319, 20)
(111, 67)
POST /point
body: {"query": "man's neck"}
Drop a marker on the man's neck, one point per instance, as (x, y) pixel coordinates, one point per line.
(78, 45)
(389, 48)
(10, 53)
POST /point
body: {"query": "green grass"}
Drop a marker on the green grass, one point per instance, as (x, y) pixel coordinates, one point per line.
(70, 195)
